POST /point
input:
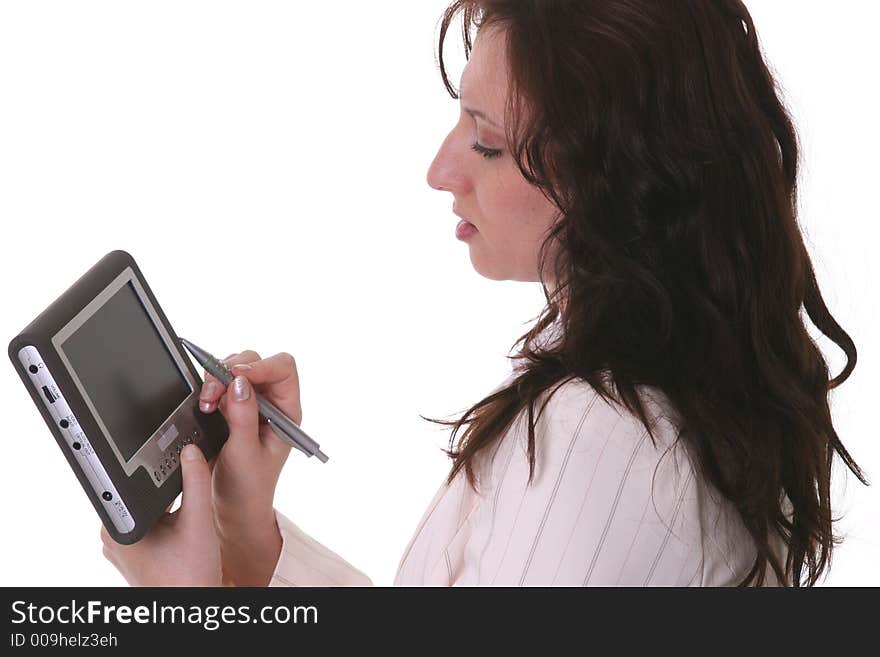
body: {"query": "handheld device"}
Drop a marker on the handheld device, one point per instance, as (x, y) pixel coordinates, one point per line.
(107, 372)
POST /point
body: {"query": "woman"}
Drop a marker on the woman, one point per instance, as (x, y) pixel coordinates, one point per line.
(633, 157)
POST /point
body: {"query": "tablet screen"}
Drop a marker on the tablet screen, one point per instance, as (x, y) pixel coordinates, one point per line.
(125, 366)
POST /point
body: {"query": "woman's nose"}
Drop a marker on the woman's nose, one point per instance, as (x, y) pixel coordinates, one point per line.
(446, 172)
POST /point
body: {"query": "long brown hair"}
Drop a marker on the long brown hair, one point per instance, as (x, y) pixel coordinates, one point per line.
(654, 126)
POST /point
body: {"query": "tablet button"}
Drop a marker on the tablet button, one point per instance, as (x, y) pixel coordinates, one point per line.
(107, 495)
(33, 369)
(64, 424)
(76, 445)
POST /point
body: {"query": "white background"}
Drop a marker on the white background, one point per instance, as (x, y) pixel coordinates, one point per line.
(265, 164)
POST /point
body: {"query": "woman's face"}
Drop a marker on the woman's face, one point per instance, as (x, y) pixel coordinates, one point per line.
(474, 163)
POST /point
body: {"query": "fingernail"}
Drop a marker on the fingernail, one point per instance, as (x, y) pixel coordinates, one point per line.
(208, 390)
(240, 389)
(205, 406)
(189, 453)
(242, 367)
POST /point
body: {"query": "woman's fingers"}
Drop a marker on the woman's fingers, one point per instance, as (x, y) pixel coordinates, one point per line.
(109, 545)
(279, 380)
(212, 389)
(246, 356)
(241, 415)
(195, 507)
(276, 370)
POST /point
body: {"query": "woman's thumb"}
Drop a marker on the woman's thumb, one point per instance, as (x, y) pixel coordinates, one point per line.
(242, 414)
(196, 476)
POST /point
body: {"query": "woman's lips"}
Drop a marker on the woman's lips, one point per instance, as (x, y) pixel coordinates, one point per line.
(465, 229)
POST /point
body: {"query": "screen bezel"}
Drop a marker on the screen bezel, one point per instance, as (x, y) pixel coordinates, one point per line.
(149, 452)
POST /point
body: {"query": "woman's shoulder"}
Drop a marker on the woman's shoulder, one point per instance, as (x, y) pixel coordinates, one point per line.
(576, 405)
(573, 422)
(596, 466)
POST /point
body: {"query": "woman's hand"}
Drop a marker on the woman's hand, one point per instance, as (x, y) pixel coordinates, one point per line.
(247, 468)
(182, 549)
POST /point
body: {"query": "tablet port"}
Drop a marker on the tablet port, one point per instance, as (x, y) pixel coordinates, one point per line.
(49, 394)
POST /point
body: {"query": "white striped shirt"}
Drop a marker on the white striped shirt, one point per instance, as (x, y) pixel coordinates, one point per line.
(588, 518)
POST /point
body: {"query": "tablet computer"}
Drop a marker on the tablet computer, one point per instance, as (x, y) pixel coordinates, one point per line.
(108, 374)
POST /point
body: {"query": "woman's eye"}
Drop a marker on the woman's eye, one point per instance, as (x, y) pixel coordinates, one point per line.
(488, 153)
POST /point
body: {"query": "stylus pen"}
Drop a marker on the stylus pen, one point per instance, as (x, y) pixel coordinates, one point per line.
(285, 428)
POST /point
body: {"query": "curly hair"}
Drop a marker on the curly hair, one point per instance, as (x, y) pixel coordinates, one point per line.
(655, 128)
